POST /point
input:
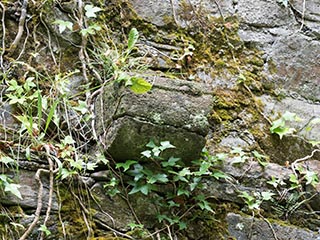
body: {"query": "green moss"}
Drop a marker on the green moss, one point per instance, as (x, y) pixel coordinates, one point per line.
(219, 63)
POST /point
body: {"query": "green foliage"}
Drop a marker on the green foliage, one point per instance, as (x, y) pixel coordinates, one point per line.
(280, 126)
(7, 185)
(138, 85)
(146, 179)
(44, 229)
(254, 201)
(132, 40)
(91, 11)
(63, 25)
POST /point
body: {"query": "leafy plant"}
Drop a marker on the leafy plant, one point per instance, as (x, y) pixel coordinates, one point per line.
(280, 126)
(254, 201)
(7, 185)
(172, 171)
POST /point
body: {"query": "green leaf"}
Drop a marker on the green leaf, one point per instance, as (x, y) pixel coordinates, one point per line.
(44, 229)
(68, 140)
(91, 166)
(162, 178)
(91, 11)
(29, 84)
(39, 107)
(267, 195)
(204, 169)
(144, 189)
(82, 107)
(101, 158)
(126, 165)
(63, 25)
(195, 183)
(275, 182)
(182, 225)
(172, 162)
(92, 29)
(133, 38)
(183, 192)
(65, 173)
(14, 189)
(76, 164)
(147, 153)
(151, 144)
(166, 145)
(139, 85)
(173, 204)
(16, 99)
(293, 179)
(239, 159)
(184, 172)
(51, 114)
(6, 160)
(218, 174)
(312, 178)
(246, 196)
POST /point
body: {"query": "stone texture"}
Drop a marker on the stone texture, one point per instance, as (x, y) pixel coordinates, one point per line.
(296, 67)
(174, 110)
(304, 110)
(29, 191)
(249, 228)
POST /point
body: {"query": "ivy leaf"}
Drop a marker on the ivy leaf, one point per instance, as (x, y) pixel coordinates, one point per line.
(14, 189)
(312, 178)
(146, 153)
(166, 145)
(172, 161)
(91, 166)
(92, 29)
(183, 192)
(139, 85)
(218, 174)
(68, 140)
(126, 165)
(140, 188)
(101, 158)
(43, 228)
(204, 169)
(63, 25)
(91, 11)
(182, 225)
(267, 195)
(158, 178)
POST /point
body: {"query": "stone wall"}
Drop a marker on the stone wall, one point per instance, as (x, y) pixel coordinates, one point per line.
(222, 72)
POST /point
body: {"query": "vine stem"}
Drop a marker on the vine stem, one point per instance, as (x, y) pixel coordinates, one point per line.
(20, 27)
(40, 194)
(39, 206)
(4, 35)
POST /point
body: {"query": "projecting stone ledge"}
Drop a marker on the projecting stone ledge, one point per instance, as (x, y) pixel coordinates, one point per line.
(174, 110)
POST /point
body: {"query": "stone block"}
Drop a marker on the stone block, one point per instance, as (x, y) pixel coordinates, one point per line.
(174, 110)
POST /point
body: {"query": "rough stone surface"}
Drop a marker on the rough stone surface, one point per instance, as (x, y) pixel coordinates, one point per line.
(29, 189)
(305, 110)
(177, 110)
(174, 110)
(247, 228)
